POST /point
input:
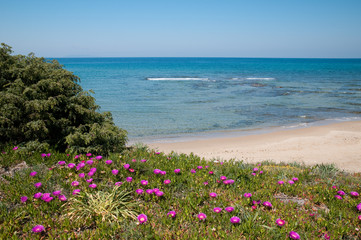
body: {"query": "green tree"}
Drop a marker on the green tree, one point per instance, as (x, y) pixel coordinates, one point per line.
(42, 105)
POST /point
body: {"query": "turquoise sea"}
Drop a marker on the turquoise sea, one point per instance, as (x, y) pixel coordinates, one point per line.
(160, 97)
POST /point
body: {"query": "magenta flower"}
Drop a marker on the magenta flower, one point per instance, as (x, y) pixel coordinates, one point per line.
(126, 166)
(223, 178)
(16, 148)
(76, 157)
(358, 207)
(230, 181)
(199, 167)
(159, 193)
(205, 183)
(167, 181)
(177, 170)
(139, 191)
(294, 235)
(23, 199)
(61, 163)
(157, 153)
(81, 175)
(89, 180)
(80, 166)
(255, 169)
(134, 160)
(354, 194)
(56, 193)
(118, 183)
(75, 183)
(62, 198)
(143, 160)
(295, 179)
(256, 202)
(201, 216)
(157, 171)
(253, 174)
(260, 172)
(212, 194)
(217, 210)
(37, 185)
(76, 191)
(88, 154)
(210, 172)
(115, 171)
(131, 170)
(235, 219)
(229, 209)
(144, 182)
(71, 165)
(267, 204)
(90, 162)
(32, 174)
(98, 157)
(149, 191)
(38, 195)
(91, 173)
(359, 217)
(38, 228)
(172, 214)
(48, 199)
(108, 162)
(93, 185)
(254, 207)
(280, 182)
(247, 195)
(155, 190)
(163, 172)
(338, 197)
(342, 193)
(142, 218)
(93, 170)
(45, 196)
(280, 222)
(291, 182)
(334, 187)
(193, 171)
(129, 179)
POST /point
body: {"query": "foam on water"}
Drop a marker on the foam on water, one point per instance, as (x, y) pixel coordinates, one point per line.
(178, 79)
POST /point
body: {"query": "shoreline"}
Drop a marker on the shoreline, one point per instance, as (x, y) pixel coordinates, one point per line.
(338, 143)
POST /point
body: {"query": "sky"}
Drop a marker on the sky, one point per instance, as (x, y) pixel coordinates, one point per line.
(183, 28)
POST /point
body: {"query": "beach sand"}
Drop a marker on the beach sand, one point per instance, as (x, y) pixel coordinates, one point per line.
(338, 143)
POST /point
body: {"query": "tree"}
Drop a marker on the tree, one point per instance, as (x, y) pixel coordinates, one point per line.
(42, 105)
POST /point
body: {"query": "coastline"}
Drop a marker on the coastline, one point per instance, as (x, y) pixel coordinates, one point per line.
(337, 143)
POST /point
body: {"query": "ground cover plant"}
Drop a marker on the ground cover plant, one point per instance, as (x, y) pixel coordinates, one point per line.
(146, 194)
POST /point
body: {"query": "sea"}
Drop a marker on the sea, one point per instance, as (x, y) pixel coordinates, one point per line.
(170, 98)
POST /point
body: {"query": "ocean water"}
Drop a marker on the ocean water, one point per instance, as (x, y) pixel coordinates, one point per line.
(159, 97)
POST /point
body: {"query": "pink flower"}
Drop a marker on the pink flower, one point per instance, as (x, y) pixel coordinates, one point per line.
(48, 199)
(358, 207)
(155, 190)
(71, 165)
(98, 157)
(210, 172)
(166, 181)
(157, 171)
(56, 193)
(294, 235)
(177, 170)
(223, 178)
(334, 187)
(229, 209)
(61, 163)
(142, 218)
(37, 185)
(205, 183)
(260, 172)
(199, 167)
(126, 166)
(75, 183)
(76, 157)
(38, 228)
(139, 191)
(193, 171)
(23, 199)
(108, 162)
(89, 180)
(89, 162)
(32, 174)
(254, 207)
(201, 216)
(38, 195)
(134, 160)
(247, 195)
(131, 170)
(295, 179)
(149, 191)
(235, 220)
(118, 183)
(354, 194)
(159, 193)
(212, 194)
(144, 182)
(217, 210)
(253, 174)
(157, 153)
(280, 182)
(81, 175)
(115, 171)
(172, 214)
(76, 191)
(255, 169)
(338, 197)
(267, 204)
(129, 179)
(88, 154)
(16, 148)
(280, 222)
(93, 185)
(143, 160)
(342, 193)
(62, 198)
(359, 217)
(45, 196)
(163, 172)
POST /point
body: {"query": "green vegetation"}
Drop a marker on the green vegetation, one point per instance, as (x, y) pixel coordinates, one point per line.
(315, 202)
(42, 105)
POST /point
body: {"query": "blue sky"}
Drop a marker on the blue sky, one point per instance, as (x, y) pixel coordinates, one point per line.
(183, 28)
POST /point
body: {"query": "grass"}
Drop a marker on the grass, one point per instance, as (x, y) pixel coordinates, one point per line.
(308, 206)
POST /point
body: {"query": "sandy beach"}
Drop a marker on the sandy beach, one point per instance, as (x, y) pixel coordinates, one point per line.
(338, 143)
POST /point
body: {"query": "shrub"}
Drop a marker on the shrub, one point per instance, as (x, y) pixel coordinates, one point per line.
(43, 103)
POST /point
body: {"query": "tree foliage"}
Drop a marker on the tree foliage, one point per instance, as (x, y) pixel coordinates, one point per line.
(42, 105)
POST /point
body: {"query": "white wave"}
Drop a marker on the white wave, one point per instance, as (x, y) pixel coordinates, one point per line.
(177, 79)
(255, 78)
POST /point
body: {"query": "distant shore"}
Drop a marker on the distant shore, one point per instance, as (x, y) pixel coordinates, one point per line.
(338, 143)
